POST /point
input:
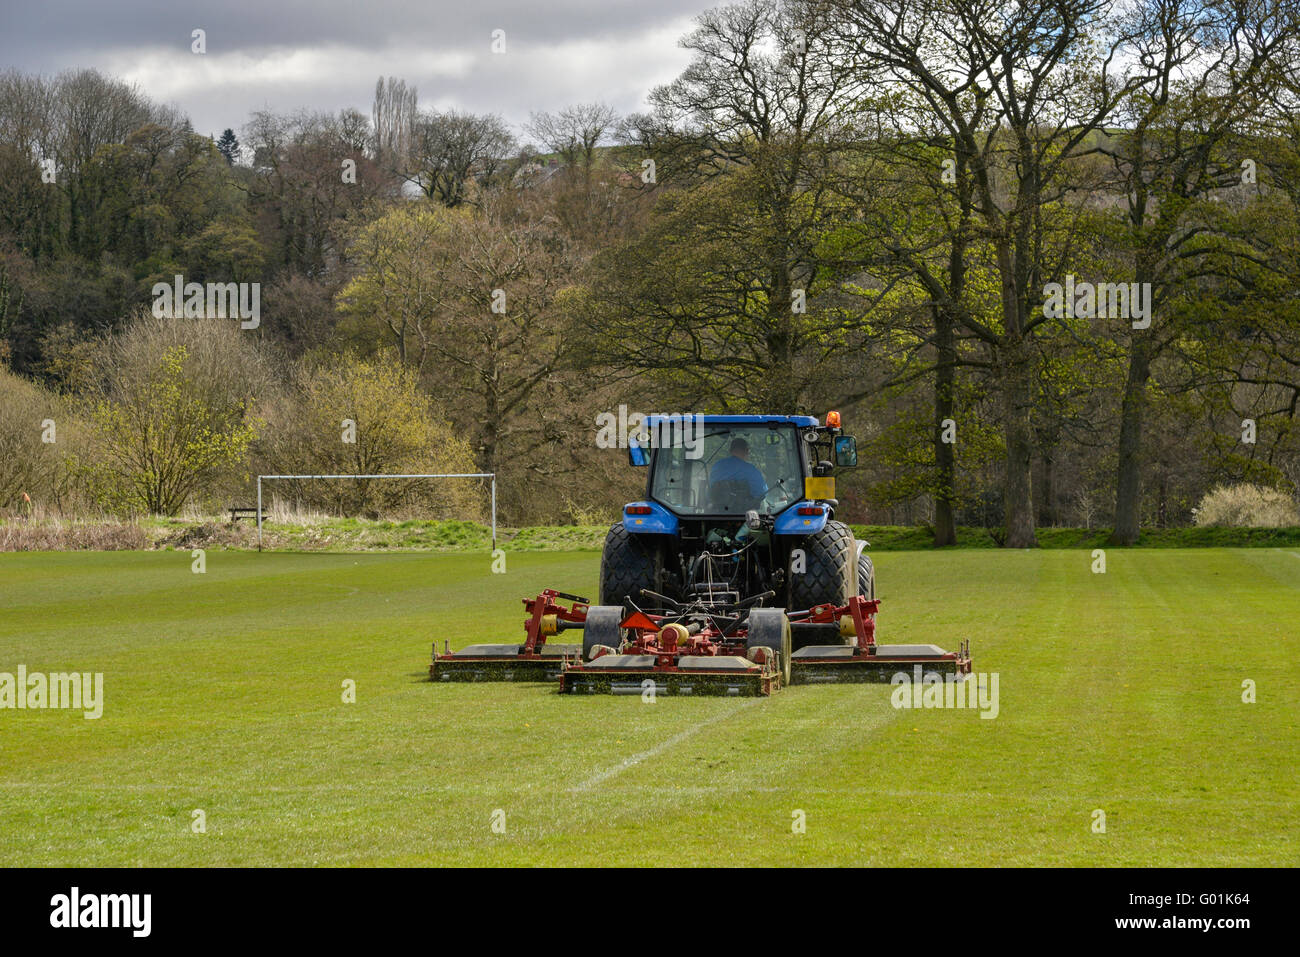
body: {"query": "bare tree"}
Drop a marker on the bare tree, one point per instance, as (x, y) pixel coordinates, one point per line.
(451, 150)
(574, 133)
(1020, 89)
(393, 115)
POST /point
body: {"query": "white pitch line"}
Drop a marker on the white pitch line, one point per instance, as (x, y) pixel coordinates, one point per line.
(661, 747)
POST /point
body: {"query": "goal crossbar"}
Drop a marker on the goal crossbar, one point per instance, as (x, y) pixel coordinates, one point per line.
(452, 475)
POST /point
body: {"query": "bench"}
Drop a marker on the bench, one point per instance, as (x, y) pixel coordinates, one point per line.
(237, 513)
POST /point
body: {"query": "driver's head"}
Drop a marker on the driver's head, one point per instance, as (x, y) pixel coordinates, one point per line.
(740, 449)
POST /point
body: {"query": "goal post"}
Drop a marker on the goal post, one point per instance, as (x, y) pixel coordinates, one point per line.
(443, 475)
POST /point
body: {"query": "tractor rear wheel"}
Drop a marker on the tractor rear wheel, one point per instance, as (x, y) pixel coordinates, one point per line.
(769, 629)
(626, 566)
(830, 575)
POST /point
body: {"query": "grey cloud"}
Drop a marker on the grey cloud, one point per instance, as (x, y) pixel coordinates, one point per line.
(615, 51)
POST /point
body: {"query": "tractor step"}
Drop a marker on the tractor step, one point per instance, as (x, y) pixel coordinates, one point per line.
(502, 663)
(718, 675)
(847, 664)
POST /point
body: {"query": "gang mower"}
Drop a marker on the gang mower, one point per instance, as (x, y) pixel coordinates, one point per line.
(731, 577)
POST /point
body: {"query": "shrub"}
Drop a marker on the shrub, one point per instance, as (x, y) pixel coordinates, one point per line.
(172, 412)
(1247, 506)
(29, 465)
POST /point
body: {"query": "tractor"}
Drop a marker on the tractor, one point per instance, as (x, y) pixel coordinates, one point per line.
(730, 576)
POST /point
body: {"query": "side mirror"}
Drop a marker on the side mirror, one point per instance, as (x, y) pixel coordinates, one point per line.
(637, 455)
(846, 451)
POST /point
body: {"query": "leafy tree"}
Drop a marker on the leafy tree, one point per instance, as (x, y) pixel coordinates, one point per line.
(392, 427)
(473, 300)
(720, 291)
(162, 440)
(1206, 69)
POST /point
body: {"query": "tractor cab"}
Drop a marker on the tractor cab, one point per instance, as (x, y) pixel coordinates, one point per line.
(730, 467)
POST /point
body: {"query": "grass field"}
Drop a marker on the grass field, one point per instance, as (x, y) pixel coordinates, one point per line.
(1119, 691)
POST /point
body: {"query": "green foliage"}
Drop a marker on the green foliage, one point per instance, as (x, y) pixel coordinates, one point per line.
(162, 439)
(369, 417)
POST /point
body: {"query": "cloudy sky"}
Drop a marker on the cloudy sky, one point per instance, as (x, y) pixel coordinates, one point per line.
(327, 54)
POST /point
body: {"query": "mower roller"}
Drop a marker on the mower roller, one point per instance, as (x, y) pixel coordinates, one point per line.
(695, 649)
(706, 647)
(863, 660)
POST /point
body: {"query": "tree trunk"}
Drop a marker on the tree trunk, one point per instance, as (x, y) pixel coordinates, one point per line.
(1018, 498)
(1128, 484)
(945, 527)
(1046, 495)
(780, 392)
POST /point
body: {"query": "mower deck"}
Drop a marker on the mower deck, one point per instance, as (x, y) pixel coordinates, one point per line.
(718, 675)
(851, 664)
(534, 660)
(502, 663)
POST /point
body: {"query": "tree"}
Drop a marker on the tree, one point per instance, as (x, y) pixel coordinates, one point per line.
(400, 260)
(450, 151)
(162, 441)
(30, 463)
(393, 118)
(722, 288)
(574, 133)
(475, 301)
(392, 427)
(173, 413)
(92, 111)
(228, 146)
(1021, 90)
(1206, 69)
(302, 185)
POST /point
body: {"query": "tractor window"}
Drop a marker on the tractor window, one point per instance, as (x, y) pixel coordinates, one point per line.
(738, 468)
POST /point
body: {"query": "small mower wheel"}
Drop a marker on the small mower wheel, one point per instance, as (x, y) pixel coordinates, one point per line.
(601, 628)
(770, 629)
(866, 576)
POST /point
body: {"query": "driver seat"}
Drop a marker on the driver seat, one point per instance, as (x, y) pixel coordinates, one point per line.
(730, 496)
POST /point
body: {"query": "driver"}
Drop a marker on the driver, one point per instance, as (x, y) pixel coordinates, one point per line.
(736, 467)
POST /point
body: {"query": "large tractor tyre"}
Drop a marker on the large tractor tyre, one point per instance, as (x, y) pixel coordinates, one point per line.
(601, 629)
(769, 629)
(626, 566)
(866, 576)
(830, 575)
